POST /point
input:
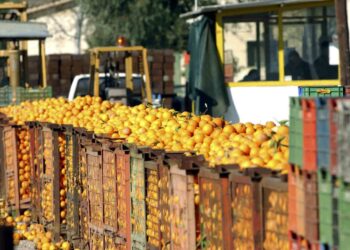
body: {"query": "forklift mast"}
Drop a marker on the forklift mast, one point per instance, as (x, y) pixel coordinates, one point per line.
(95, 61)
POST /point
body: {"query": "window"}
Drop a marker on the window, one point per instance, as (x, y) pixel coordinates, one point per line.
(251, 47)
(310, 36)
(82, 87)
(302, 47)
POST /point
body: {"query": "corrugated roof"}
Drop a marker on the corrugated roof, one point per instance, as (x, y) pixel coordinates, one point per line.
(23, 30)
(237, 6)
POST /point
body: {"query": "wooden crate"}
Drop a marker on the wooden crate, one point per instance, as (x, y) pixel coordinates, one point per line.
(216, 221)
(116, 191)
(138, 197)
(52, 172)
(247, 227)
(94, 187)
(184, 193)
(275, 213)
(16, 162)
(35, 142)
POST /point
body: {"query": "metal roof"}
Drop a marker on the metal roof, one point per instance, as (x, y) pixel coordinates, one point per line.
(12, 30)
(237, 6)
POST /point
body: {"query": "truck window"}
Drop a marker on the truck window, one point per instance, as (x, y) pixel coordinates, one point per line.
(82, 87)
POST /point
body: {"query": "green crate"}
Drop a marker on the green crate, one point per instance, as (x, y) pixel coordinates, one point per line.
(296, 131)
(8, 97)
(344, 216)
(138, 204)
(5, 96)
(29, 94)
(325, 207)
(317, 91)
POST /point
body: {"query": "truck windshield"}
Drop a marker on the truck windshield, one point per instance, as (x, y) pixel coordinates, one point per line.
(106, 82)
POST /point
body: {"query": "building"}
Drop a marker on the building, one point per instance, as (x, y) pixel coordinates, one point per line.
(65, 22)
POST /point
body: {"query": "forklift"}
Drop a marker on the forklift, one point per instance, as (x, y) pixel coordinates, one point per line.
(128, 87)
(15, 31)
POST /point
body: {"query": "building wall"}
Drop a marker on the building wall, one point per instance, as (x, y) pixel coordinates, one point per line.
(63, 29)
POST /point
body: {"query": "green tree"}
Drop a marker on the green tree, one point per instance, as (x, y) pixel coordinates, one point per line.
(151, 23)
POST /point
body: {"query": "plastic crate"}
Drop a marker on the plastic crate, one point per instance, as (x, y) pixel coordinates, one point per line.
(309, 134)
(323, 134)
(344, 217)
(215, 207)
(317, 91)
(10, 96)
(275, 213)
(296, 131)
(296, 201)
(311, 207)
(5, 96)
(343, 106)
(333, 127)
(184, 190)
(17, 162)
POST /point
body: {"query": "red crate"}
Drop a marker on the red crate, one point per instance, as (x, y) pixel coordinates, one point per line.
(275, 212)
(296, 201)
(215, 208)
(309, 134)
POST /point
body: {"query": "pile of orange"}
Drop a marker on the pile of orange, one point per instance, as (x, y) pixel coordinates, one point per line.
(220, 142)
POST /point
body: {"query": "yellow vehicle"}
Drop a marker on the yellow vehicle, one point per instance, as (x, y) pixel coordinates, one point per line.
(14, 33)
(112, 88)
(248, 58)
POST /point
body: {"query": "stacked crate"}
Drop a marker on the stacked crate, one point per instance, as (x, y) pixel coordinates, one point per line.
(62, 68)
(343, 177)
(314, 184)
(53, 73)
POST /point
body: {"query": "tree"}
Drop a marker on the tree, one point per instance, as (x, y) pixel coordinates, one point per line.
(151, 23)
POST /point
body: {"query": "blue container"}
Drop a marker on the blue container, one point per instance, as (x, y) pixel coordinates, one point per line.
(323, 134)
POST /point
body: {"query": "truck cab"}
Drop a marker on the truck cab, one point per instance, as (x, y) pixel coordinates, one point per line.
(110, 87)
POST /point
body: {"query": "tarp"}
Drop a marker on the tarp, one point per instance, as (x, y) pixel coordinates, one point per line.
(206, 78)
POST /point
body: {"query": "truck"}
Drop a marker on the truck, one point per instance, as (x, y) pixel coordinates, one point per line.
(249, 58)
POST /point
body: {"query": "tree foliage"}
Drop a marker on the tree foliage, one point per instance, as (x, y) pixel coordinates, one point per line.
(151, 23)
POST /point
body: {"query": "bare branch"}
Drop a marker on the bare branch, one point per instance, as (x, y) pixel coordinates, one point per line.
(62, 29)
